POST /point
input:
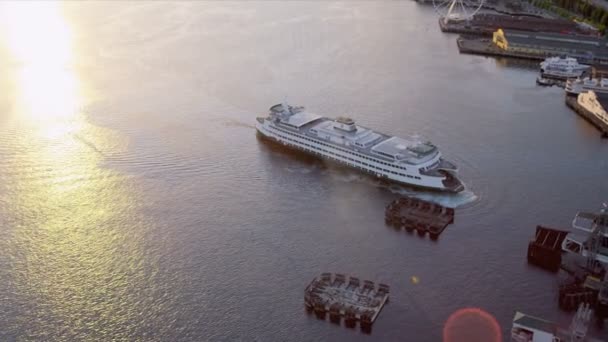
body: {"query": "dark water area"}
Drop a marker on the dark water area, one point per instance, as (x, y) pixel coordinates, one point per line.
(137, 204)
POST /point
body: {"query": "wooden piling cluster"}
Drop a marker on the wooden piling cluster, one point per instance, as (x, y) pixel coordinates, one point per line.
(414, 214)
(353, 300)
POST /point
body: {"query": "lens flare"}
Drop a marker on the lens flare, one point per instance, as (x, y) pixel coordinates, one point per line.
(471, 324)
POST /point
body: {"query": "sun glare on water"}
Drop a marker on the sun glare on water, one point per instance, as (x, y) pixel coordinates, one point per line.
(39, 43)
(69, 213)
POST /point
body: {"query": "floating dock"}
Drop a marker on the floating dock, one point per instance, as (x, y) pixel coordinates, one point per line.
(350, 298)
(415, 214)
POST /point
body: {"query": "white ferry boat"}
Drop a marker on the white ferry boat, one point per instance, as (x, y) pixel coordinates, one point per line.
(578, 85)
(399, 160)
(562, 68)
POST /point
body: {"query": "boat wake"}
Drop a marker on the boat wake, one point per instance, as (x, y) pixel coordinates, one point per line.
(301, 170)
(450, 200)
(445, 199)
(234, 123)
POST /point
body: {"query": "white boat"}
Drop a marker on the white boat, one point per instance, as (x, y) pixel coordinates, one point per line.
(590, 236)
(532, 329)
(562, 68)
(401, 160)
(528, 328)
(578, 85)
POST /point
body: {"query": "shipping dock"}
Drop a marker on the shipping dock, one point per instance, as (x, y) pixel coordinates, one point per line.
(582, 254)
(414, 214)
(352, 299)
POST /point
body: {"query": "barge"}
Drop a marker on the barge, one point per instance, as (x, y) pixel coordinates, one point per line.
(414, 214)
(545, 250)
(351, 299)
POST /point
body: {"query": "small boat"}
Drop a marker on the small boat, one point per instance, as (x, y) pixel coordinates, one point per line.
(544, 81)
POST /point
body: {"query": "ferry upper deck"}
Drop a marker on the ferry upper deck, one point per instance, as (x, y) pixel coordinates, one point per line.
(344, 132)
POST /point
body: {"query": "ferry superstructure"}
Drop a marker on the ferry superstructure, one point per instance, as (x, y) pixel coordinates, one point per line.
(395, 159)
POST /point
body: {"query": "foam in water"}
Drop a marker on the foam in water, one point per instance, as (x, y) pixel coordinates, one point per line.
(451, 200)
(445, 199)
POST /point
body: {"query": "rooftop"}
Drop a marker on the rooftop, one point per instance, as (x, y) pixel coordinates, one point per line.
(360, 135)
(534, 323)
(585, 221)
(398, 146)
(302, 118)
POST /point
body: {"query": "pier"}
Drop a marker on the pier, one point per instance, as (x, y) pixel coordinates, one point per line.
(415, 214)
(537, 46)
(351, 299)
(485, 46)
(593, 118)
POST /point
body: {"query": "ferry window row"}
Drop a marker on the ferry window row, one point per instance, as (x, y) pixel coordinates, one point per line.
(344, 150)
(312, 148)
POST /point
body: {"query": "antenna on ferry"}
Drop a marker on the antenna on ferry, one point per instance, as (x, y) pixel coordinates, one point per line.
(285, 105)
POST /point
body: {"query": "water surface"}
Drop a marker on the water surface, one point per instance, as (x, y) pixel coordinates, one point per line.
(137, 204)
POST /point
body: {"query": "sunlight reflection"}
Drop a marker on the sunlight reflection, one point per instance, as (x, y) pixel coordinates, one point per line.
(40, 44)
(83, 266)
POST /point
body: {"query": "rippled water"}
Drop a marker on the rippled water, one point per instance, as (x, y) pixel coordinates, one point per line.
(137, 204)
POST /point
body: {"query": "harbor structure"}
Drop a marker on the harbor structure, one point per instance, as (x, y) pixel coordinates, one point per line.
(350, 298)
(545, 250)
(546, 44)
(537, 46)
(486, 24)
(528, 328)
(414, 214)
(591, 105)
(590, 237)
